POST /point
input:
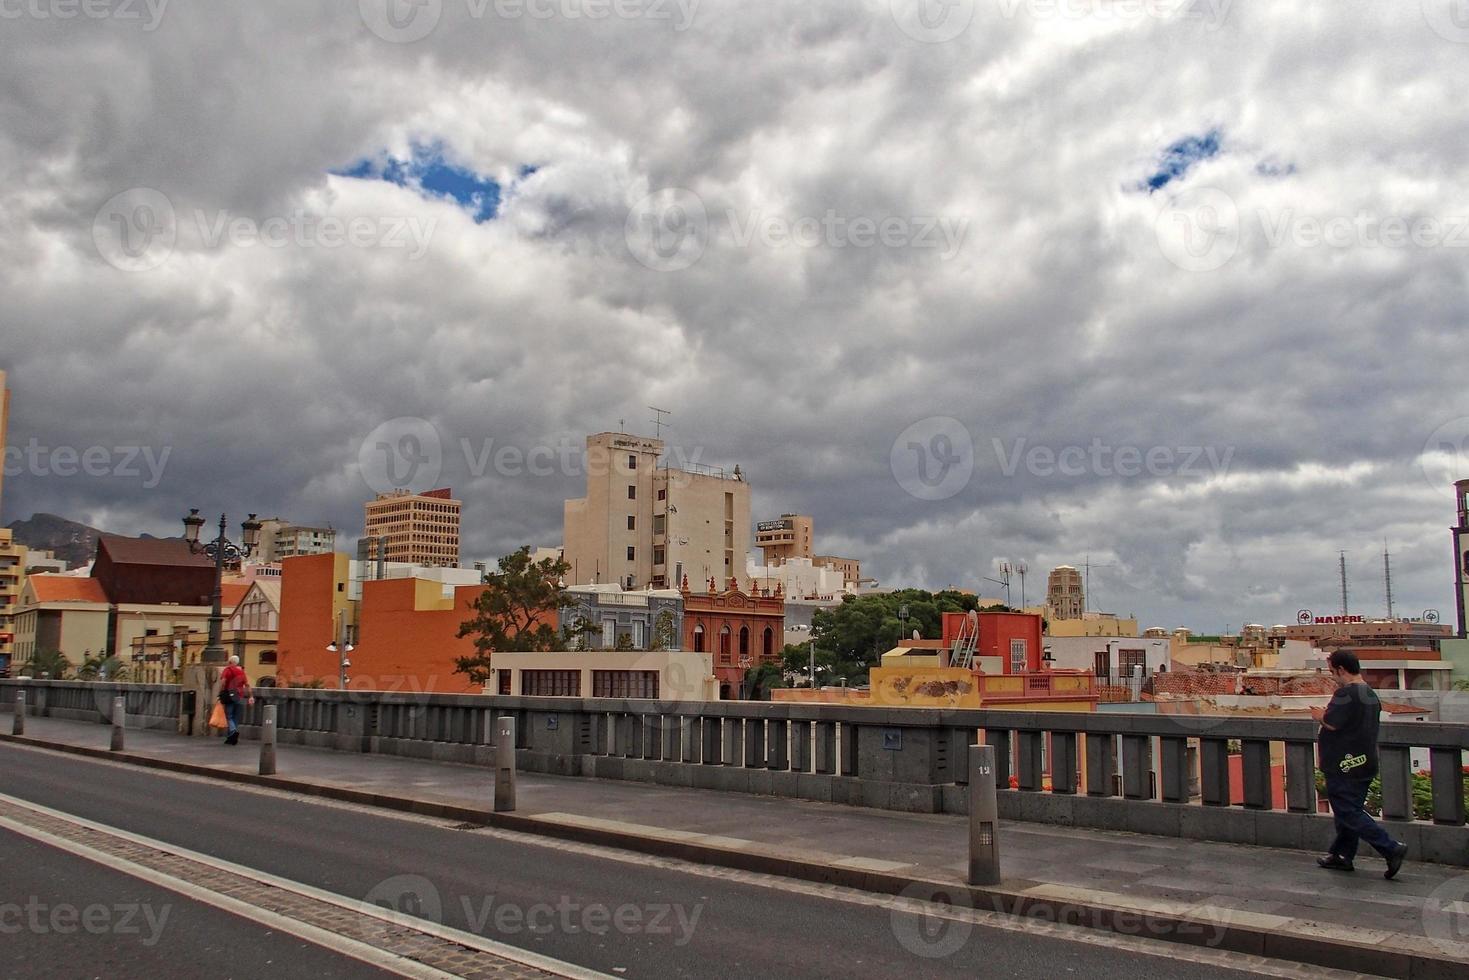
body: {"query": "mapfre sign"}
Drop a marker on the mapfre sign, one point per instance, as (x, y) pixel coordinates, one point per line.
(1337, 620)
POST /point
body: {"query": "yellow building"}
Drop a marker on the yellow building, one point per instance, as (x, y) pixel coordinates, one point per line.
(61, 614)
(12, 555)
(1092, 624)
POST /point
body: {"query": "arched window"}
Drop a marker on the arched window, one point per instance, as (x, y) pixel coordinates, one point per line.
(699, 638)
(744, 642)
(767, 647)
(724, 645)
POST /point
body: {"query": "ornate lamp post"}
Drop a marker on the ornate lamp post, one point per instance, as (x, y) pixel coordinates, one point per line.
(224, 552)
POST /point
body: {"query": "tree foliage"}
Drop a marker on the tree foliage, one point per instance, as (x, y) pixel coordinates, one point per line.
(515, 612)
(665, 631)
(51, 663)
(103, 668)
(852, 637)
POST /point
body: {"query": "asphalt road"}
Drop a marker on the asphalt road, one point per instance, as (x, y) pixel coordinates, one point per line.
(63, 916)
(631, 919)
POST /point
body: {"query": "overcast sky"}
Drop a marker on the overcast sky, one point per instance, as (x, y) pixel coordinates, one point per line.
(1176, 284)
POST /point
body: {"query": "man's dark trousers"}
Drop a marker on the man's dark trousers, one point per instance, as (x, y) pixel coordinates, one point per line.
(1353, 822)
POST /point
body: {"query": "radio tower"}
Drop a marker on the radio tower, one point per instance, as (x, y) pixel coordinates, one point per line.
(1387, 576)
(1343, 583)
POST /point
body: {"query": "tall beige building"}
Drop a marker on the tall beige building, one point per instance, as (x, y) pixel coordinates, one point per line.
(420, 528)
(12, 555)
(789, 537)
(1064, 595)
(642, 524)
(280, 538)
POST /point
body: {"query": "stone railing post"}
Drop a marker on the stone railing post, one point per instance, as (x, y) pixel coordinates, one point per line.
(984, 817)
(119, 715)
(267, 740)
(505, 764)
(18, 724)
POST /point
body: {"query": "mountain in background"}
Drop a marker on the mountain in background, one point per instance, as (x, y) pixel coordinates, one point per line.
(73, 543)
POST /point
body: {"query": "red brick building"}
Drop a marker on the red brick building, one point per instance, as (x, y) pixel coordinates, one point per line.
(741, 629)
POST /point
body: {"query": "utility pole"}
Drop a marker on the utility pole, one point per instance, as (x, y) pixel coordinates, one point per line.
(1022, 568)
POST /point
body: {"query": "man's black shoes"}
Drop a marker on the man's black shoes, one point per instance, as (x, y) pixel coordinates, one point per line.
(1333, 863)
(233, 738)
(1395, 860)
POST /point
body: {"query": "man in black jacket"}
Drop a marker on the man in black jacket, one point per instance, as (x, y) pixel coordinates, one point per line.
(1348, 744)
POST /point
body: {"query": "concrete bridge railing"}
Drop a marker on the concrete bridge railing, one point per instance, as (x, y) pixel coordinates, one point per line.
(1210, 777)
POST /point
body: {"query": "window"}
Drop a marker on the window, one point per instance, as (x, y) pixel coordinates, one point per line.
(267, 657)
(632, 461)
(632, 523)
(1132, 663)
(767, 645)
(1102, 665)
(724, 645)
(632, 553)
(550, 683)
(744, 642)
(637, 634)
(659, 523)
(699, 639)
(632, 491)
(659, 556)
(609, 634)
(624, 683)
(504, 678)
(1018, 659)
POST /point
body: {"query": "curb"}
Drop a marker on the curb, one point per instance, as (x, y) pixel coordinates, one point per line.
(1232, 930)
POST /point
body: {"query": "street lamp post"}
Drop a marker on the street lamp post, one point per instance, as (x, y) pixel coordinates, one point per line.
(224, 552)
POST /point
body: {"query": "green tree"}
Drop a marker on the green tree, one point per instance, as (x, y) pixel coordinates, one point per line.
(762, 679)
(624, 643)
(103, 668)
(855, 634)
(51, 663)
(516, 611)
(1461, 685)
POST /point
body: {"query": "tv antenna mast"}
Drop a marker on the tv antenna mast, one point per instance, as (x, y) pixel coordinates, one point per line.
(1086, 586)
(1343, 558)
(659, 421)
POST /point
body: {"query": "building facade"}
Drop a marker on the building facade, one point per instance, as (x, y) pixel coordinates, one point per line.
(417, 528)
(605, 617)
(644, 524)
(284, 539)
(740, 631)
(674, 676)
(1065, 597)
(783, 539)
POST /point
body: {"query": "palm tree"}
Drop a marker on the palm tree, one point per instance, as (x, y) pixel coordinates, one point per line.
(47, 663)
(103, 668)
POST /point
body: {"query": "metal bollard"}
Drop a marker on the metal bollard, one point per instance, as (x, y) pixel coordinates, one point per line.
(984, 818)
(267, 741)
(119, 713)
(505, 764)
(18, 725)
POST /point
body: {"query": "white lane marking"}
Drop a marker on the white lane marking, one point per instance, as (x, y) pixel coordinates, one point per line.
(360, 951)
(472, 940)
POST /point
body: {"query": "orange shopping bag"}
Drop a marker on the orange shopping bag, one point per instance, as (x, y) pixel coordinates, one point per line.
(217, 718)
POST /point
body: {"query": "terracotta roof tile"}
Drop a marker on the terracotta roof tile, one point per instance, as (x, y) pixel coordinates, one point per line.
(66, 588)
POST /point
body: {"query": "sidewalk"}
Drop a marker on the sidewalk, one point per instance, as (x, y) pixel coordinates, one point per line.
(1271, 902)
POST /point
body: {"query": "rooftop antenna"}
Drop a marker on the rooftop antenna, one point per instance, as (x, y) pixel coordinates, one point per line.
(659, 421)
(1343, 555)
(622, 426)
(1387, 576)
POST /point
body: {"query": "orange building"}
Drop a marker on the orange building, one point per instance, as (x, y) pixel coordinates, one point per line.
(1015, 638)
(404, 630)
(740, 629)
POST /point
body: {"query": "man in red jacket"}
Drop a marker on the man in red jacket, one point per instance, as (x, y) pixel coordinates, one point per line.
(234, 694)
